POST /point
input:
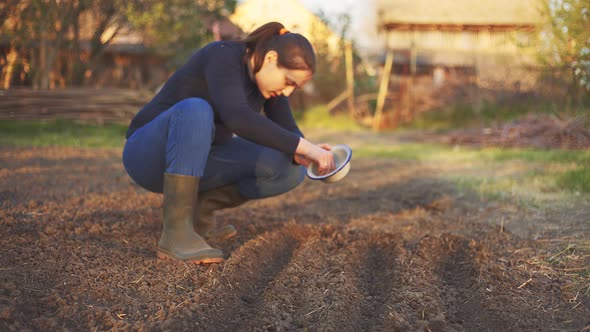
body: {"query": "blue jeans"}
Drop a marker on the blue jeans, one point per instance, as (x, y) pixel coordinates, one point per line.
(179, 141)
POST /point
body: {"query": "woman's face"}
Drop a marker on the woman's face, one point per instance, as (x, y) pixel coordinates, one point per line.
(273, 80)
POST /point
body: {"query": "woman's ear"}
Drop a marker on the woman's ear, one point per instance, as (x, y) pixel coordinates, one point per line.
(271, 56)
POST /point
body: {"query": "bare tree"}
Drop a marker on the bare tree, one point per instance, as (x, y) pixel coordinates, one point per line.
(51, 35)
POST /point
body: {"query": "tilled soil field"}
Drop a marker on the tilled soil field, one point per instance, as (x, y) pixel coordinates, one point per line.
(393, 247)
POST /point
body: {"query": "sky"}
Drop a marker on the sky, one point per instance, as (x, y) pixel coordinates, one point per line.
(362, 14)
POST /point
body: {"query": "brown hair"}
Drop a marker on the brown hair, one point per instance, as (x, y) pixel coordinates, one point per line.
(294, 50)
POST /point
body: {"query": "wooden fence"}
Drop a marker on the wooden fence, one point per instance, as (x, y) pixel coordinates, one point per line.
(95, 106)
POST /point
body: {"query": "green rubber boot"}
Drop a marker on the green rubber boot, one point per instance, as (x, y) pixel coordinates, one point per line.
(179, 241)
(211, 201)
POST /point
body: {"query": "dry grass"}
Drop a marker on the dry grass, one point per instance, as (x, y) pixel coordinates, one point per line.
(569, 259)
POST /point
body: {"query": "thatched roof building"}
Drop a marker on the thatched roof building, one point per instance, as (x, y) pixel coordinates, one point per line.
(460, 33)
(458, 14)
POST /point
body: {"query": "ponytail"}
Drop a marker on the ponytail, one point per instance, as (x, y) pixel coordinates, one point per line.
(294, 51)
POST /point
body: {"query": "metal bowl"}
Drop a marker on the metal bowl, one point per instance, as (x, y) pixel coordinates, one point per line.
(342, 155)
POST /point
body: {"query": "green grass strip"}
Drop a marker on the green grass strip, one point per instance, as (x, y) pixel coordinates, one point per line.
(60, 133)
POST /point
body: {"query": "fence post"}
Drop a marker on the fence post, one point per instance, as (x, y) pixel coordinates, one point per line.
(349, 77)
(383, 89)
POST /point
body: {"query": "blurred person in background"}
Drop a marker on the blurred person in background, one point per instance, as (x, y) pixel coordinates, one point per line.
(203, 142)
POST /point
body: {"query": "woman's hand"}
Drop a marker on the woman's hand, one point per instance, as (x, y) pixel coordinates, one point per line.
(319, 154)
(301, 160)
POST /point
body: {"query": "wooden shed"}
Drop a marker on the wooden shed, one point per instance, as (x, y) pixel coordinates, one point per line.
(431, 45)
(481, 35)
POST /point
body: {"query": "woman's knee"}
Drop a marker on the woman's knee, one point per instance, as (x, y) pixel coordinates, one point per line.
(194, 110)
(193, 116)
(294, 176)
(284, 173)
(145, 171)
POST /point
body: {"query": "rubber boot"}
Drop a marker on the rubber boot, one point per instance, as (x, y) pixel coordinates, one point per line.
(179, 240)
(211, 201)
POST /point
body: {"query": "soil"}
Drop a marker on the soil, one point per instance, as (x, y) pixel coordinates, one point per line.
(392, 247)
(541, 131)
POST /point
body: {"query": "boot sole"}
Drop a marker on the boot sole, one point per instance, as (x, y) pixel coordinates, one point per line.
(198, 261)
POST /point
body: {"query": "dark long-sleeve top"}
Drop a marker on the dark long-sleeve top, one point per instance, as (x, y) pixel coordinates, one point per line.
(218, 74)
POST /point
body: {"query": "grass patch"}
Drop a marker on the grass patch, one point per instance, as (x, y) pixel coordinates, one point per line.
(575, 180)
(496, 173)
(484, 114)
(319, 117)
(491, 172)
(417, 152)
(535, 155)
(61, 133)
(435, 152)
